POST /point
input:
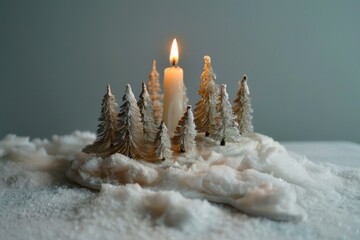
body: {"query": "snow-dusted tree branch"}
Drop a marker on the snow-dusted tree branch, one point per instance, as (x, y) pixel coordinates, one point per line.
(129, 139)
(225, 128)
(162, 143)
(155, 93)
(205, 110)
(185, 133)
(242, 107)
(147, 115)
(107, 128)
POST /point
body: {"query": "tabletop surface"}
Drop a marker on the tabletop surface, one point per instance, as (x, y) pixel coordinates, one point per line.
(341, 153)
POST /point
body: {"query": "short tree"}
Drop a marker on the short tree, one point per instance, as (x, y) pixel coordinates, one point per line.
(155, 93)
(242, 107)
(129, 138)
(205, 110)
(107, 128)
(162, 143)
(225, 128)
(185, 133)
(147, 115)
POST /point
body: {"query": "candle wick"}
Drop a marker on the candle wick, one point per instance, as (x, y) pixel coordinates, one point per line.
(174, 63)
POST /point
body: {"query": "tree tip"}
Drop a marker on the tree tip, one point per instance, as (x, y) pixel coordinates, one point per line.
(108, 89)
(163, 125)
(128, 88)
(207, 59)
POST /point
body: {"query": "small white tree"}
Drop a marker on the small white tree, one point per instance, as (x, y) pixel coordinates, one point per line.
(107, 128)
(185, 133)
(226, 128)
(155, 93)
(147, 115)
(162, 143)
(242, 107)
(205, 110)
(129, 139)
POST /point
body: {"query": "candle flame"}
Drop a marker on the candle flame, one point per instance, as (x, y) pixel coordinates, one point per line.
(174, 53)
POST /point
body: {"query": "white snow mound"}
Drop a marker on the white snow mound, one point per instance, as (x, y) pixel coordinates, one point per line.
(167, 208)
(252, 176)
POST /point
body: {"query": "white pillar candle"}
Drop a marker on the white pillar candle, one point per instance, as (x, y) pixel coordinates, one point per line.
(173, 91)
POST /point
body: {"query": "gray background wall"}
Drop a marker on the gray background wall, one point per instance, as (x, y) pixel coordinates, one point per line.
(302, 58)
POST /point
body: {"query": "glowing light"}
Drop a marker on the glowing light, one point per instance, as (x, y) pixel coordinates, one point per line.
(174, 53)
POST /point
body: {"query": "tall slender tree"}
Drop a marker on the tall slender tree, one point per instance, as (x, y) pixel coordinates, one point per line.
(107, 128)
(129, 138)
(225, 128)
(185, 133)
(205, 110)
(155, 92)
(147, 115)
(162, 143)
(242, 107)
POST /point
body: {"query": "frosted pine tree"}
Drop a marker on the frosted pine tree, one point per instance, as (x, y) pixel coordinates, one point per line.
(155, 93)
(242, 107)
(129, 139)
(185, 133)
(205, 110)
(147, 115)
(162, 143)
(226, 128)
(107, 128)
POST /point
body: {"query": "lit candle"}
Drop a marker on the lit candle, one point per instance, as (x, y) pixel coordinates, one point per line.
(173, 91)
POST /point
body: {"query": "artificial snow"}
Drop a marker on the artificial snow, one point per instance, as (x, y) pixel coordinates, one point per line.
(255, 181)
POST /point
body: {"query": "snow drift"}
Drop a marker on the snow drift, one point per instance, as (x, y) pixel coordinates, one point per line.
(167, 199)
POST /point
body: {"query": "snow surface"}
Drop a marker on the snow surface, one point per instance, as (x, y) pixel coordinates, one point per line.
(166, 200)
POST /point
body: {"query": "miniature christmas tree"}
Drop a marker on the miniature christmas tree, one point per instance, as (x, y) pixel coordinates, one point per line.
(107, 128)
(226, 128)
(185, 133)
(147, 115)
(162, 143)
(205, 110)
(155, 93)
(129, 139)
(242, 107)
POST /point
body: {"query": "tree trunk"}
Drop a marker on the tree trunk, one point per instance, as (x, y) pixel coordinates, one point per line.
(182, 149)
